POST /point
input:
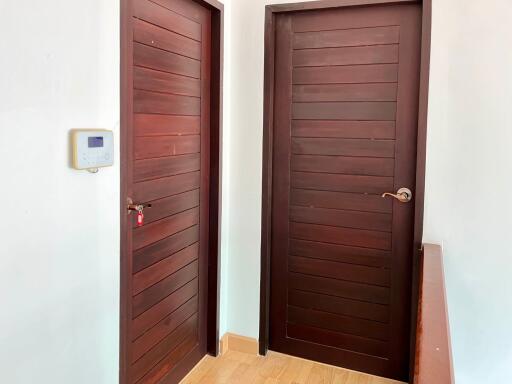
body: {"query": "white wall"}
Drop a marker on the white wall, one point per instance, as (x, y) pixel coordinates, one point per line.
(468, 183)
(59, 229)
(469, 180)
(59, 233)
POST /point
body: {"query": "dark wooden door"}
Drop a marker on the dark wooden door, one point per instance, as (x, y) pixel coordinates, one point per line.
(165, 277)
(345, 130)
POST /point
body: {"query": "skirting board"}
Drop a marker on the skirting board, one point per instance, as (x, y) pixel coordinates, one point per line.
(232, 342)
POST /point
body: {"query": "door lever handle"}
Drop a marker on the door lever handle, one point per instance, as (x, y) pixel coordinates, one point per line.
(404, 195)
(136, 207)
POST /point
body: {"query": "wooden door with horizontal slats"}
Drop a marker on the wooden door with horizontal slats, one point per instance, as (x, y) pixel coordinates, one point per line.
(346, 91)
(168, 168)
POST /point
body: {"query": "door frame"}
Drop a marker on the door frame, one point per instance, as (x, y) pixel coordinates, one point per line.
(126, 149)
(271, 12)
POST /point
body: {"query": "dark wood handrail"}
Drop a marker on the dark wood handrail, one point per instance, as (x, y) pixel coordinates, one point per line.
(433, 347)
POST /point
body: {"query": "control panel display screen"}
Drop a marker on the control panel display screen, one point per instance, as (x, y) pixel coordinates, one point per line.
(96, 142)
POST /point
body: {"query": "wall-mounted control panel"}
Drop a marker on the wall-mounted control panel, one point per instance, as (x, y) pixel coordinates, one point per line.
(92, 148)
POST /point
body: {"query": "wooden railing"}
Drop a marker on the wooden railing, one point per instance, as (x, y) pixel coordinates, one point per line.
(433, 347)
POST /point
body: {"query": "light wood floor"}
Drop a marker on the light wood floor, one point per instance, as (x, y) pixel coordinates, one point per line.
(241, 368)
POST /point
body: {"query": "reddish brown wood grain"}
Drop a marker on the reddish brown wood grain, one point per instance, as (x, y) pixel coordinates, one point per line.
(345, 92)
(165, 166)
(346, 74)
(154, 294)
(163, 328)
(169, 206)
(159, 271)
(338, 340)
(341, 253)
(160, 351)
(161, 38)
(162, 103)
(153, 253)
(171, 124)
(353, 133)
(344, 129)
(153, 146)
(161, 229)
(385, 54)
(340, 271)
(342, 218)
(151, 80)
(158, 15)
(340, 288)
(165, 125)
(433, 345)
(155, 314)
(149, 57)
(347, 37)
(344, 111)
(342, 236)
(339, 305)
(340, 200)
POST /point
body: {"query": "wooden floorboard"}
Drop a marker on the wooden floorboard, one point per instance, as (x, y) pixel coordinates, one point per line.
(237, 368)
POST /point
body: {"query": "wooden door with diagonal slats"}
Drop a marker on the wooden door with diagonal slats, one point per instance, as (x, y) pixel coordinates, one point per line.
(346, 91)
(169, 168)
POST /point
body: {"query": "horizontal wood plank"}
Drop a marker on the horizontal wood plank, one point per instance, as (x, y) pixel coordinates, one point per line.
(344, 111)
(169, 206)
(352, 37)
(350, 17)
(152, 254)
(154, 294)
(339, 323)
(159, 271)
(165, 125)
(340, 200)
(344, 129)
(161, 310)
(155, 168)
(339, 288)
(158, 373)
(348, 165)
(342, 183)
(338, 305)
(157, 189)
(151, 80)
(342, 236)
(162, 349)
(194, 11)
(343, 147)
(342, 218)
(154, 58)
(165, 18)
(346, 74)
(164, 328)
(161, 38)
(340, 271)
(149, 147)
(158, 230)
(162, 103)
(345, 92)
(338, 340)
(341, 253)
(378, 54)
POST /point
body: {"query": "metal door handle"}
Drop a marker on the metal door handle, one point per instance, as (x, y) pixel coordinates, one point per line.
(136, 207)
(404, 195)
